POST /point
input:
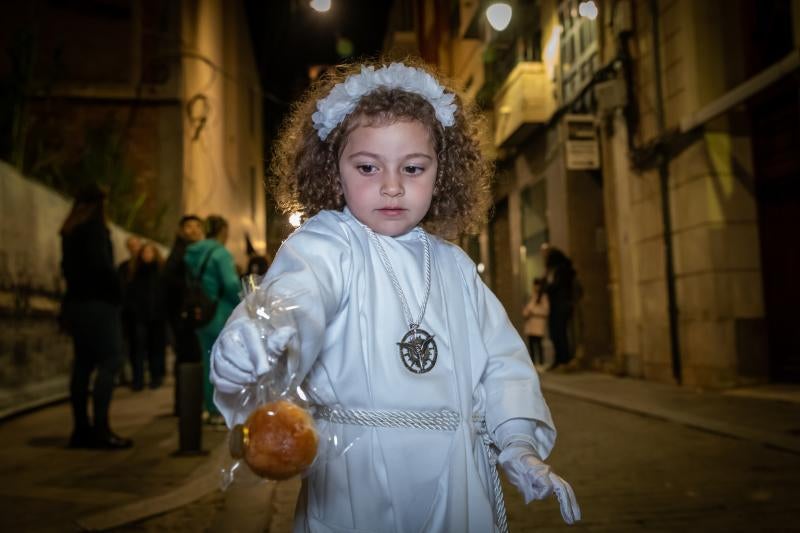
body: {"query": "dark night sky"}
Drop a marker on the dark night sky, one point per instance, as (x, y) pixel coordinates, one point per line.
(289, 36)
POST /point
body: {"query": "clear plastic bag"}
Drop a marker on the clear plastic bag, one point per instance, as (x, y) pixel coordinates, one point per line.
(275, 435)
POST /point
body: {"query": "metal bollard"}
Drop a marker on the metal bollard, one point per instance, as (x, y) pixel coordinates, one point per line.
(190, 408)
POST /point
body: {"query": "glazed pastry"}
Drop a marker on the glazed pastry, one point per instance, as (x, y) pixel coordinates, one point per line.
(277, 441)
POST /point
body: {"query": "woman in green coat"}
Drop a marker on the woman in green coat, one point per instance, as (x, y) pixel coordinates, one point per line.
(221, 284)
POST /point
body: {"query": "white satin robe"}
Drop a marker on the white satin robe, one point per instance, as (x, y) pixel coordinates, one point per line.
(392, 479)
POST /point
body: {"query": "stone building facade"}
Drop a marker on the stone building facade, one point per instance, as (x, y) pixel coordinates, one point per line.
(681, 233)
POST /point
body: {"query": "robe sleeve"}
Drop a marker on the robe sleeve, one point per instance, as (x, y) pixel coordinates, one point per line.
(510, 381)
(312, 267)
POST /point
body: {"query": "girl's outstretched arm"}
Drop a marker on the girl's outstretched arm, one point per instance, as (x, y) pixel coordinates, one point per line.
(312, 268)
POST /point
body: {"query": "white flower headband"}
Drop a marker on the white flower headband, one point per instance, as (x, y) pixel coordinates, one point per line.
(341, 101)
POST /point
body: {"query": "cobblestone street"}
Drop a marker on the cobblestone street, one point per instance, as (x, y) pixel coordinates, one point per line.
(633, 473)
(630, 473)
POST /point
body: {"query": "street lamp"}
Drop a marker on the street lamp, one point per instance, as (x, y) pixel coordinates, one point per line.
(499, 15)
(320, 5)
(588, 10)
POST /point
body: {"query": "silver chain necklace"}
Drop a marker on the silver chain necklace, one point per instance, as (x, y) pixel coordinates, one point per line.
(418, 349)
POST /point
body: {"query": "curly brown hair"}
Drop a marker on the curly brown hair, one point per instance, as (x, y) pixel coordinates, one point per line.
(305, 169)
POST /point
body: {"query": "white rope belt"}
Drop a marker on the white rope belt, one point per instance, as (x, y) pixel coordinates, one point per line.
(442, 420)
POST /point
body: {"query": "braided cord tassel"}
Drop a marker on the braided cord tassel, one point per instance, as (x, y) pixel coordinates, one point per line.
(499, 501)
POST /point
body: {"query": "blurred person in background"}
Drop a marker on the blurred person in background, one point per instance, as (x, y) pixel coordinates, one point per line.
(561, 289)
(125, 271)
(535, 314)
(91, 314)
(257, 264)
(146, 296)
(220, 282)
(184, 341)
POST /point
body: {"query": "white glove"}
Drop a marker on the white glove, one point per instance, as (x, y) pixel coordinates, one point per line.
(240, 355)
(536, 481)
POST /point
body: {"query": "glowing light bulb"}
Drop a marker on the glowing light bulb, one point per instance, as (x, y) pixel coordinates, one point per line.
(499, 15)
(295, 219)
(480, 267)
(588, 10)
(320, 5)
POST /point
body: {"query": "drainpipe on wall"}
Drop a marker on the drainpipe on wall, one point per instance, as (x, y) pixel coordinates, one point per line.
(666, 215)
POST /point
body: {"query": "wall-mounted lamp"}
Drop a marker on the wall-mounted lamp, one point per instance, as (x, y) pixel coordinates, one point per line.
(499, 15)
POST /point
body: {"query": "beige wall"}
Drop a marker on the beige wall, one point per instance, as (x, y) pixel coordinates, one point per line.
(712, 208)
(713, 213)
(217, 163)
(626, 308)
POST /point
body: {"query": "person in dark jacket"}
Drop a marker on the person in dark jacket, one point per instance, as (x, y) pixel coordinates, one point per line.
(560, 285)
(125, 271)
(91, 312)
(220, 281)
(149, 316)
(184, 340)
(257, 264)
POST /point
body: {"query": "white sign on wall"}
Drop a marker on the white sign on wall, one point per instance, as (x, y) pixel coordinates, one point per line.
(582, 148)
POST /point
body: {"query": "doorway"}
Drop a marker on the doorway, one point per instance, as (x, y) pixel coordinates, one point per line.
(775, 116)
(500, 253)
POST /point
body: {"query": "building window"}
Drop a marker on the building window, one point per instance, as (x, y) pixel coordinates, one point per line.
(579, 49)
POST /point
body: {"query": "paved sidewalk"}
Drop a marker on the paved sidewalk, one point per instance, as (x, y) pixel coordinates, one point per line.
(769, 415)
(45, 486)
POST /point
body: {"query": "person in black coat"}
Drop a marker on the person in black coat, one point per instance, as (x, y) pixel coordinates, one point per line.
(184, 341)
(560, 283)
(91, 313)
(146, 300)
(125, 272)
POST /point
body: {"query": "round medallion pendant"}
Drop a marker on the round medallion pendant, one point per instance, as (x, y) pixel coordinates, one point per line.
(418, 351)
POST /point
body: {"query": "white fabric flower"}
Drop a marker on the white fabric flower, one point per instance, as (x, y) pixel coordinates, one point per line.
(344, 97)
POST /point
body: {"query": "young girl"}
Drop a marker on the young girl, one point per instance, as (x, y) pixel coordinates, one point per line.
(395, 322)
(535, 314)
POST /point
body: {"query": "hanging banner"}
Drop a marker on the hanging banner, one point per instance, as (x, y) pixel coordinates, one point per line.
(582, 146)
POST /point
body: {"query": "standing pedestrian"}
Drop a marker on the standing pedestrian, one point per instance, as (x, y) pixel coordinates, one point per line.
(91, 312)
(257, 264)
(213, 264)
(394, 327)
(125, 272)
(149, 316)
(535, 314)
(184, 340)
(560, 283)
